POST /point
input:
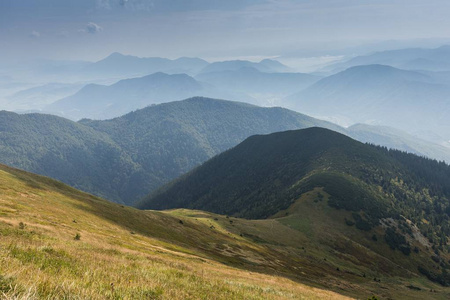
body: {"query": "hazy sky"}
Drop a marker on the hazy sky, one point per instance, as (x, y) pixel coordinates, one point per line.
(92, 29)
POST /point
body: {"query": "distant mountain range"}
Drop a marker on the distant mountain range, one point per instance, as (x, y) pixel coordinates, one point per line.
(379, 95)
(118, 64)
(123, 159)
(265, 65)
(246, 84)
(31, 85)
(373, 94)
(437, 59)
(104, 102)
(257, 84)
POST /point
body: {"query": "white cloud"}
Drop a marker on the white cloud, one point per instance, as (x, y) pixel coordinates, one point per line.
(93, 28)
(131, 5)
(63, 34)
(35, 34)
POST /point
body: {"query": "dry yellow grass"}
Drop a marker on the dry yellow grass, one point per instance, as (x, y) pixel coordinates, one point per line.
(122, 253)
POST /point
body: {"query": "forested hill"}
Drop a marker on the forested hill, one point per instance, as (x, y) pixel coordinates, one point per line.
(170, 139)
(403, 197)
(253, 180)
(66, 150)
(213, 125)
(125, 158)
(266, 173)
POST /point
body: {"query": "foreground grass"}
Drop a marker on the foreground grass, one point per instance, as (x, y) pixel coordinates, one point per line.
(58, 243)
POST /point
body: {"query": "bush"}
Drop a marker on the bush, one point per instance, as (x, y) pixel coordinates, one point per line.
(349, 222)
(360, 223)
(397, 241)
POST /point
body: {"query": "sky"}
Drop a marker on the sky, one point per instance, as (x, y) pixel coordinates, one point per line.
(211, 29)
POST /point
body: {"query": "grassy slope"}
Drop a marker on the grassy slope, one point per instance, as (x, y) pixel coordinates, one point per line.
(122, 252)
(152, 254)
(319, 249)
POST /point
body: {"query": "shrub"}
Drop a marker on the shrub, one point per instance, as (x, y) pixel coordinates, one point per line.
(349, 222)
(360, 223)
(397, 241)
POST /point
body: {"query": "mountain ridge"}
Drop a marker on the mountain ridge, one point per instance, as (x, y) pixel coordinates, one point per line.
(256, 83)
(120, 64)
(265, 65)
(402, 58)
(104, 102)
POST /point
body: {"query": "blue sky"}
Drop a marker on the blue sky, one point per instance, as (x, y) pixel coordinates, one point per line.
(91, 29)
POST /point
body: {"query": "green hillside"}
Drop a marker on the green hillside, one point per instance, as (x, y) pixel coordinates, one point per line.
(71, 152)
(401, 199)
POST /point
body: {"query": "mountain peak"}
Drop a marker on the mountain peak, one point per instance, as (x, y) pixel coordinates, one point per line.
(271, 62)
(274, 65)
(377, 67)
(115, 55)
(380, 71)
